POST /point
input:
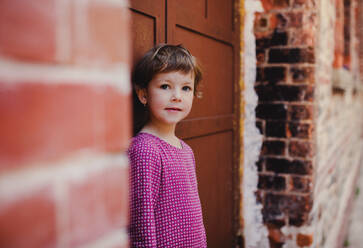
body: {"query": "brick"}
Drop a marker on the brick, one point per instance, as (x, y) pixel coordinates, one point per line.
(29, 221)
(299, 205)
(276, 129)
(279, 204)
(274, 4)
(298, 219)
(271, 111)
(260, 55)
(267, 182)
(275, 39)
(27, 30)
(302, 74)
(302, 149)
(299, 130)
(268, 93)
(295, 19)
(300, 112)
(97, 205)
(274, 147)
(260, 125)
(303, 4)
(279, 39)
(44, 122)
(274, 75)
(291, 55)
(281, 3)
(278, 165)
(303, 240)
(105, 37)
(300, 184)
(276, 237)
(302, 37)
(281, 22)
(260, 164)
(259, 74)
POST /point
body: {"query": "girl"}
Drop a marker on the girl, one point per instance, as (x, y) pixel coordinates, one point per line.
(165, 205)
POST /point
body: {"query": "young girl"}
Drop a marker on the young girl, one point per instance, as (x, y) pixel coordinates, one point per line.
(165, 205)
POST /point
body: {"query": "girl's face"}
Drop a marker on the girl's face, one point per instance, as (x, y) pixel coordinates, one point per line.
(169, 97)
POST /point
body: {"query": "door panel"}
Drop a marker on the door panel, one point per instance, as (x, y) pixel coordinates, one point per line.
(148, 25)
(216, 59)
(205, 27)
(215, 184)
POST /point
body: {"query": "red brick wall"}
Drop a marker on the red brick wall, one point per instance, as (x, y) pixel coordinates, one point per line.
(65, 123)
(285, 35)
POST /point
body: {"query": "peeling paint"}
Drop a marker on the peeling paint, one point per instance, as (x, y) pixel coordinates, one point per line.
(255, 232)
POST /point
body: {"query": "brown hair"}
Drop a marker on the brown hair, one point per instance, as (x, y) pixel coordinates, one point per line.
(161, 58)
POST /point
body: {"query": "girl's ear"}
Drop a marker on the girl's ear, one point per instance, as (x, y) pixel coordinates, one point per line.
(141, 94)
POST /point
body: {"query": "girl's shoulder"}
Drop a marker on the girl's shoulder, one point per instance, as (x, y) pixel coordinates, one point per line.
(143, 142)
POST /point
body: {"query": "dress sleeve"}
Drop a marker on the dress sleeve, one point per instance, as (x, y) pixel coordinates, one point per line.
(145, 175)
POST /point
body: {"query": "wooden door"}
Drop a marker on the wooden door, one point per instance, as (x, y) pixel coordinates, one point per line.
(207, 29)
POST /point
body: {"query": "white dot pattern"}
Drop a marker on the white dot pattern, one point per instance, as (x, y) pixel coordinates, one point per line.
(164, 200)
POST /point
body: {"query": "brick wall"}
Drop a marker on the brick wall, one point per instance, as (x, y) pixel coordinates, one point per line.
(65, 123)
(309, 113)
(285, 42)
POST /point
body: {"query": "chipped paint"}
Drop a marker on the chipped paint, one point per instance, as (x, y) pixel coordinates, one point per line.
(255, 232)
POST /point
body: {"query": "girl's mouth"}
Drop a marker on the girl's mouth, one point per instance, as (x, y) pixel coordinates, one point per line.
(173, 109)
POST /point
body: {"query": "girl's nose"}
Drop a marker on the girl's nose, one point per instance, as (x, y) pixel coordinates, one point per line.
(176, 95)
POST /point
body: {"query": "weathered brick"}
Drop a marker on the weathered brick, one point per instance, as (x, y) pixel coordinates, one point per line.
(260, 164)
(281, 3)
(302, 37)
(298, 205)
(302, 149)
(298, 130)
(300, 184)
(298, 219)
(283, 93)
(277, 183)
(278, 165)
(300, 112)
(260, 56)
(28, 29)
(260, 125)
(275, 147)
(295, 19)
(59, 119)
(259, 74)
(302, 74)
(281, 22)
(98, 204)
(276, 129)
(29, 221)
(275, 235)
(290, 205)
(275, 39)
(271, 111)
(274, 74)
(304, 240)
(291, 55)
(104, 40)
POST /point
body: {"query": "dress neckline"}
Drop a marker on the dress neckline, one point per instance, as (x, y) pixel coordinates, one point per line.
(165, 142)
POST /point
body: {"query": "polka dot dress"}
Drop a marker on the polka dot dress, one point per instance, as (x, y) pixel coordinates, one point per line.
(165, 205)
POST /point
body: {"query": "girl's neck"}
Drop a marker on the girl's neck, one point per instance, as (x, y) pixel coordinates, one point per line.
(166, 133)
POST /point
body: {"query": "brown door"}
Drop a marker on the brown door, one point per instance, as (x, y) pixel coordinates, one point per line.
(206, 28)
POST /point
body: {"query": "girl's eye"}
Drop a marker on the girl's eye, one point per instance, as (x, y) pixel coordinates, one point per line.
(164, 86)
(187, 88)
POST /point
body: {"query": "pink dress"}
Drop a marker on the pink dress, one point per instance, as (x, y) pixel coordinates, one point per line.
(165, 205)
